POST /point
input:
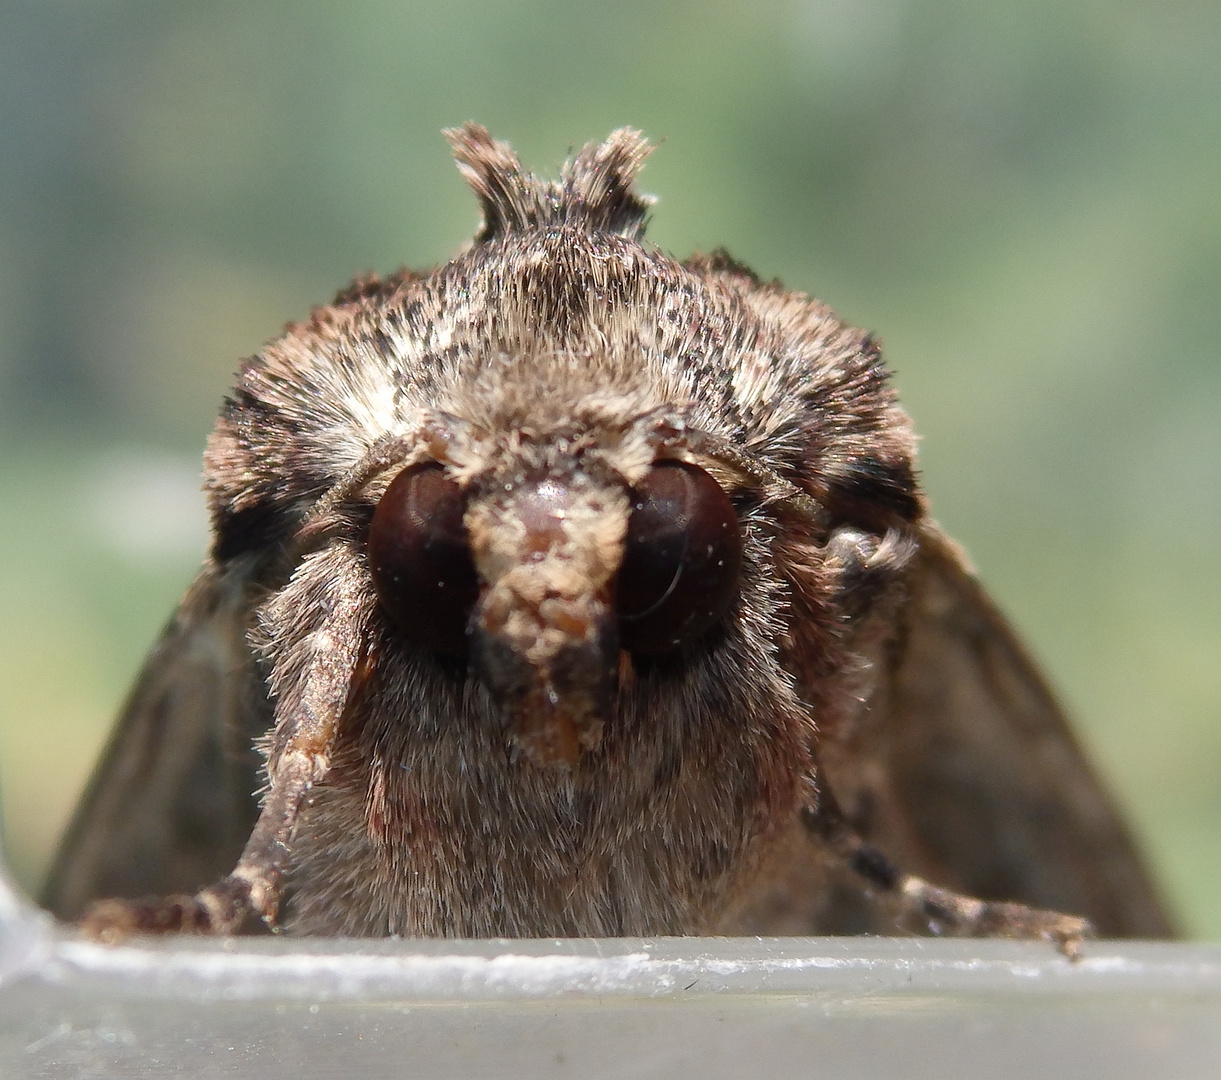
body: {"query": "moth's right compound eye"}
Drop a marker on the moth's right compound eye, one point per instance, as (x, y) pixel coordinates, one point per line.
(420, 559)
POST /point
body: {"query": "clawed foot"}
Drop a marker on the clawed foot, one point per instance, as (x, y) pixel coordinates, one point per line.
(220, 909)
(951, 914)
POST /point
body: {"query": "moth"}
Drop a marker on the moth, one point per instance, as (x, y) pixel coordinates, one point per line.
(568, 589)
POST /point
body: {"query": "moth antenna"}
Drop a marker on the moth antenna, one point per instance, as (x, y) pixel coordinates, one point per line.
(596, 188)
(386, 452)
(776, 489)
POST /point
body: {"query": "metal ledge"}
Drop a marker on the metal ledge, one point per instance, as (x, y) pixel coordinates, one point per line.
(711, 1007)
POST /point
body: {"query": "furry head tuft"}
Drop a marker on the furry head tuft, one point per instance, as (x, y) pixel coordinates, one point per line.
(596, 189)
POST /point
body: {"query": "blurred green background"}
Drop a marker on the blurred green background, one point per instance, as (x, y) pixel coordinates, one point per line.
(1023, 199)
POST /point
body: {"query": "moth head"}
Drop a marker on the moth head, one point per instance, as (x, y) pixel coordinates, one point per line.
(550, 565)
(547, 538)
(568, 456)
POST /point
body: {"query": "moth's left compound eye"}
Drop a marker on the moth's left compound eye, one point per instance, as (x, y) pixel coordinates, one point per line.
(681, 559)
(420, 559)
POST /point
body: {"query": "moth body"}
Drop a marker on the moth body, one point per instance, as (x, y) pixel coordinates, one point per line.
(572, 590)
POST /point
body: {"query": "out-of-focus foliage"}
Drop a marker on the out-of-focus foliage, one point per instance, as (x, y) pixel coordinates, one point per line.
(1024, 199)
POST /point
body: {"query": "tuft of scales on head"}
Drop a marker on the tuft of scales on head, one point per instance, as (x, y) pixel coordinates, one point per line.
(595, 188)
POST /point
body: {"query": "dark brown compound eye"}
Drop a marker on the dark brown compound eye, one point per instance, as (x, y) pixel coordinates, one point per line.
(420, 559)
(681, 559)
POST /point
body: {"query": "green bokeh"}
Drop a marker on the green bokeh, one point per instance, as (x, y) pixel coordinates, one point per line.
(1024, 200)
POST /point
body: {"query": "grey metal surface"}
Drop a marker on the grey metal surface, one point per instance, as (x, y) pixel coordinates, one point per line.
(709, 1007)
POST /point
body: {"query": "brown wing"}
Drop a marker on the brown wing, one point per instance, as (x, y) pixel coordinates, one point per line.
(961, 768)
(173, 800)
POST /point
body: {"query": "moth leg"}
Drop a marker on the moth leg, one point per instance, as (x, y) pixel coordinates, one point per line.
(311, 681)
(924, 907)
(252, 888)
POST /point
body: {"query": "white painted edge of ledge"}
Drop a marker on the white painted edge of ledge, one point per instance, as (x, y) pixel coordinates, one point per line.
(34, 947)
